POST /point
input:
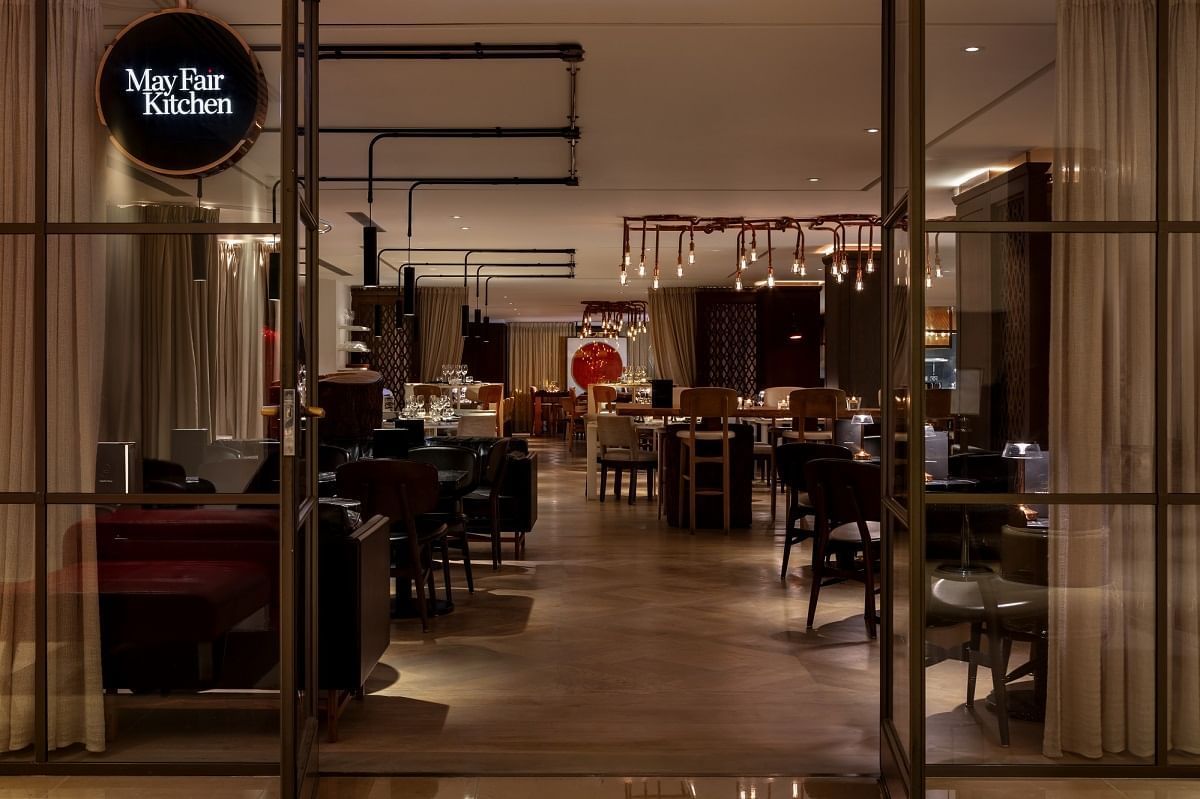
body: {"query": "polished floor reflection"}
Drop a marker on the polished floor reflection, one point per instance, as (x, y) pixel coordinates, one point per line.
(622, 645)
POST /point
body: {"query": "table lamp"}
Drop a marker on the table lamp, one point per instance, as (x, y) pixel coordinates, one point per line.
(1022, 451)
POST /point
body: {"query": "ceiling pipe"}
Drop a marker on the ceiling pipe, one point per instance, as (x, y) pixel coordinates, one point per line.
(493, 251)
(450, 133)
(569, 52)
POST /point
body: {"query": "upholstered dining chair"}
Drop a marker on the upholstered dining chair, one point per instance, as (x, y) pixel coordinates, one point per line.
(483, 505)
(403, 491)
(449, 508)
(822, 404)
(773, 395)
(700, 404)
(846, 497)
(620, 450)
(603, 396)
(791, 459)
(573, 418)
(490, 396)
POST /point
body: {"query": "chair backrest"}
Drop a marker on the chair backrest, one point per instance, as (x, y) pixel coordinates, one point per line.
(709, 402)
(616, 432)
(397, 489)
(604, 394)
(676, 393)
(329, 457)
(493, 472)
(448, 458)
(353, 403)
(844, 491)
(477, 424)
(791, 459)
(491, 395)
(503, 413)
(775, 394)
(568, 405)
(815, 403)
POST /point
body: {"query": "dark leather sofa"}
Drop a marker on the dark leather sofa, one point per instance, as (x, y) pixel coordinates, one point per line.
(519, 493)
(189, 600)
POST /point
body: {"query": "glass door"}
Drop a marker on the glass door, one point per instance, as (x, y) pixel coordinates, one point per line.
(299, 411)
(901, 728)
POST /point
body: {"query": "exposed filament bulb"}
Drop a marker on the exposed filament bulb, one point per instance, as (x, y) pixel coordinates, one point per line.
(654, 285)
(642, 269)
(803, 267)
(858, 283)
(737, 284)
(679, 270)
(796, 264)
(627, 258)
(691, 252)
(838, 275)
(770, 278)
(870, 265)
(624, 277)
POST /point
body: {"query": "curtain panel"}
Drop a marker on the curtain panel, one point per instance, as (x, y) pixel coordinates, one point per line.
(75, 280)
(439, 328)
(537, 351)
(673, 333)
(1100, 688)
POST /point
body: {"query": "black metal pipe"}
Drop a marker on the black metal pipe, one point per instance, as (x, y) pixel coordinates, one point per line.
(570, 52)
(480, 267)
(569, 132)
(492, 251)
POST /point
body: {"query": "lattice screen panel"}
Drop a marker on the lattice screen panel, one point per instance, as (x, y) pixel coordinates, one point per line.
(394, 354)
(732, 333)
(1014, 295)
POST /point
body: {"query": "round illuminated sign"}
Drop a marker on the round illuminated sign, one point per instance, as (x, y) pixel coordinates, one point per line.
(181, 93)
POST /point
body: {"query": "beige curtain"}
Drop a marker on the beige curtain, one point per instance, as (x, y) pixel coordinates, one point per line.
(1100, 692)
(75, 318)
(673, 333)
(1183, 379)
(537, 351)
(439, 328)
(236, 295)
(175, 341)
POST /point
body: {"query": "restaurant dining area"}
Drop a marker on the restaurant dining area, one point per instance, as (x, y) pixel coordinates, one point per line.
(685, 400)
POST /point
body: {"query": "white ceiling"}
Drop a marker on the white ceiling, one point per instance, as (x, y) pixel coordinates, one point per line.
(686, 106)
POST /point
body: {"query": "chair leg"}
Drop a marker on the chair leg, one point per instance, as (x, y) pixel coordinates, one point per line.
(973, 662)
(787, 553)
(617, 487)
(604, 481)
(446, 569)
(692, 492)
(632, 484)
(771, 466)
(419, 584)
(999, 667)
(466, 550)
(818, 574)
(725, 485)
(681, 480)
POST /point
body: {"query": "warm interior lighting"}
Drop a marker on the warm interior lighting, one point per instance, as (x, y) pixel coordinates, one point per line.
(972, 48)
(871, 131)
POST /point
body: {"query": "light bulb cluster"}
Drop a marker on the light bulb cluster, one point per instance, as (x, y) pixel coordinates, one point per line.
(613, 319)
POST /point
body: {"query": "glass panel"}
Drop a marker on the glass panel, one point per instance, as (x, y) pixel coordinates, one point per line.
(900, 138)
(1183, 613)
(899, 606)
(1011, 83)
(1064, 605)
(17, 428)
(899, 338)
(18, 535)
(164, 633)
(1184, 108)
(1052, 341)
(18, 91)
(158, 379)
(1183, 365)
(91, 179)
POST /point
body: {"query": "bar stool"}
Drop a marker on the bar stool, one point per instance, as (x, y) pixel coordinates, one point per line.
(822, 404)
(704, 403)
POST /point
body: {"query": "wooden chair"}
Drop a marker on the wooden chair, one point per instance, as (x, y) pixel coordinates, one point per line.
(821, 404)
(402, 491)
(573, 419)
(847, 500)
(603, 395)
(791, 459)
(775, 394)
(700, 404)
(620, 450)
(449, 509)
(490, 396)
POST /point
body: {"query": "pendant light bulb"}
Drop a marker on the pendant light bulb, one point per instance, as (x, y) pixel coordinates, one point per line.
(753, 246)
(937, 266)
(845, 264)
(691, 252)
(870, 265)
(737, 284)
(679, 271)
(858, 284)
(642, 269)
(837, 274)
(628, 256)
(770, 278)
(624, 277)
(654, 285)
(803, 267)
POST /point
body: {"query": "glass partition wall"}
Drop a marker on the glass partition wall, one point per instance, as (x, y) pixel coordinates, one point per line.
(1040, 518)
(151, 515)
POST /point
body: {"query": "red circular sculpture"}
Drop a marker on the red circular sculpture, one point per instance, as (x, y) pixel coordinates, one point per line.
(596, 362)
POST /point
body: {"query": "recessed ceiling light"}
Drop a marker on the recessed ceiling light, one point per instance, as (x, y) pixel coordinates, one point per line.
(456, 216)
(972, 48)
(814, 180)
(871, 130)
(464, 227)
